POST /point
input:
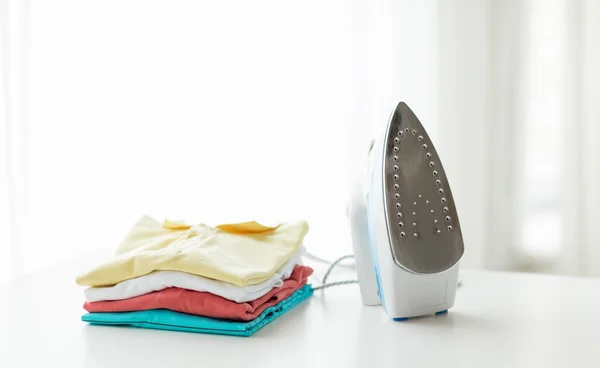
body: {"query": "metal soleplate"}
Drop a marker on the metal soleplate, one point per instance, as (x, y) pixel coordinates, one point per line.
(424, 229)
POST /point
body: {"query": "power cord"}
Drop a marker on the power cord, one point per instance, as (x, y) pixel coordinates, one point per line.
(324, 283)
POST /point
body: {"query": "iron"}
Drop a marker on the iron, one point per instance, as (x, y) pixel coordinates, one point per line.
(405, 228)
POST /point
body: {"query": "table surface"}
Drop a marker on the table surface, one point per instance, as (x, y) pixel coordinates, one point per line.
(499, 320)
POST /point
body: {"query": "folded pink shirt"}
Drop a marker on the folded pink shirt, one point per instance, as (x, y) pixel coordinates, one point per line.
(203, 303)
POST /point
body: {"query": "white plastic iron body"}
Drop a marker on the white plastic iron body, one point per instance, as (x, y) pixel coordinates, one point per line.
(406, 233)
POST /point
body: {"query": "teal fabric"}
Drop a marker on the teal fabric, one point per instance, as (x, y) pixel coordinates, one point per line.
(164, 319)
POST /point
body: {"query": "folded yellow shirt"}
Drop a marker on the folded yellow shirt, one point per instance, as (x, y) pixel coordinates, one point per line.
(242, 254)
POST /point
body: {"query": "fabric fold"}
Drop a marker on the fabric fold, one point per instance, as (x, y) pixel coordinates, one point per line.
(163, 319)
(205, 304)
(246, 254)
(159, 280)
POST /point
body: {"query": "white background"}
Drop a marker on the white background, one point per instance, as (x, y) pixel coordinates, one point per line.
(233, 110)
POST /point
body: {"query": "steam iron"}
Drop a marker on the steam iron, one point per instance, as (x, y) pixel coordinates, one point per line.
(406, 233)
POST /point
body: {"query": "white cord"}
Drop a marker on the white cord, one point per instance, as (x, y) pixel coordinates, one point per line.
(338, 283)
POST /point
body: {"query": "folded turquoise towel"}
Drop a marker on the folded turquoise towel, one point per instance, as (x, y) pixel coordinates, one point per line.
(164, 319)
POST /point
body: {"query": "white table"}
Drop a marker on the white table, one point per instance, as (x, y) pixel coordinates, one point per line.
(499, 320)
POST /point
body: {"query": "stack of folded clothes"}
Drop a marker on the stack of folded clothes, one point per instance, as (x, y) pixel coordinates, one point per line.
(231, 279)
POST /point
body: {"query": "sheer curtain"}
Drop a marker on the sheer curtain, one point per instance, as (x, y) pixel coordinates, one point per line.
(236, 110)
(201, 111)
(518, 87)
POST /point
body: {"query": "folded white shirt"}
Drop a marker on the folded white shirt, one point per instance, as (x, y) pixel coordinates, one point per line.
(159, 280)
